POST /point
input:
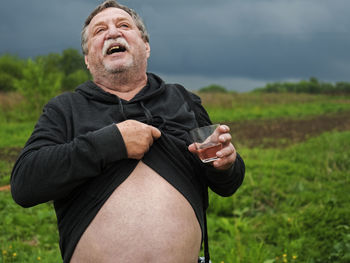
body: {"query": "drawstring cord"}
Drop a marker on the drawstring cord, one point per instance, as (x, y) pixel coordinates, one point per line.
(149, 117)
(148, 114)
(122, 108)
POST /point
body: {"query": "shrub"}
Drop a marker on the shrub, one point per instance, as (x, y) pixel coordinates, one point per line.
(213, 88)
(10, 69)
(36, 86)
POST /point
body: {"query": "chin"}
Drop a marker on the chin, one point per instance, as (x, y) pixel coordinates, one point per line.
(112, 68)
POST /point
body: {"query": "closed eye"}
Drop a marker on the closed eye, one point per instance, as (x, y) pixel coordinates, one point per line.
(124, 25)
(99, 30)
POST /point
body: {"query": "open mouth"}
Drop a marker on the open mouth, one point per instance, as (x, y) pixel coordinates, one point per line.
(116, 49)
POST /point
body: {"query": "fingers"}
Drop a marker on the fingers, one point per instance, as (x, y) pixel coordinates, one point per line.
(224, 129)
(192, 148)
(227, 156)
(225, 139)
(138, 137)
(155, 132)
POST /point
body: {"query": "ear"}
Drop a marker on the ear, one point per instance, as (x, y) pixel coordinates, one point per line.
(148, 49)
(86, 61)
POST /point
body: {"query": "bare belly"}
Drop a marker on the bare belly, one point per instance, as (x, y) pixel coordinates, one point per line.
(145, 220)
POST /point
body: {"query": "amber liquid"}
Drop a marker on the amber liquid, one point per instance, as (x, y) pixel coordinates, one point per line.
(207, 152)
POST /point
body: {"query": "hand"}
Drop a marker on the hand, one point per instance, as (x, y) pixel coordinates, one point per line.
(227, 155)
(138, 137)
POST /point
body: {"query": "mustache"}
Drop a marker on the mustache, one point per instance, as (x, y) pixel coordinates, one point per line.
(112, 42)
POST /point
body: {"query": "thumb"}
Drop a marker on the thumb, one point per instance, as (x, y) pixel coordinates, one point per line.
(192, 148)
(155, 132)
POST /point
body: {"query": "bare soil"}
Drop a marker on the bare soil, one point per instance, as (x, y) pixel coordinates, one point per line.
(283, 132)
(9, 154)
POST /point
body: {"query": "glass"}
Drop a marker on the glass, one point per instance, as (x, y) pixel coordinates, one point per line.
(206, 140)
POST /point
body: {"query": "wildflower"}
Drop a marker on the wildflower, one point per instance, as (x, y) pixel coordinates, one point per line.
(14, 254)
(294, 257)
(4, 252)
(284, 255)
(38, 258)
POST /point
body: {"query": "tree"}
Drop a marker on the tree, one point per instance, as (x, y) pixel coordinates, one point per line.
(74, 79)
(71, 61)
(38, 86)
(214, 88)
(10, 70)
(70, 64)
(51, 61)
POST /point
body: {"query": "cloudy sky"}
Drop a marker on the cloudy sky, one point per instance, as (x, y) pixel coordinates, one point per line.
(240, 44)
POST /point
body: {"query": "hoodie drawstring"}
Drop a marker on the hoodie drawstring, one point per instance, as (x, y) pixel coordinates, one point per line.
(122, 109)
(148, 114)
(150, 119)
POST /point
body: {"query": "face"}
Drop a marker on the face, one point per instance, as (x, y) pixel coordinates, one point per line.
(115, 44)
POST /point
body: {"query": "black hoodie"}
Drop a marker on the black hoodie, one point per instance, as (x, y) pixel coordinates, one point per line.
(76, 155)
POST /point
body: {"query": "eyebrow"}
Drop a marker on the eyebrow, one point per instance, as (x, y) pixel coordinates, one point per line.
(98, 24)
(118, 19)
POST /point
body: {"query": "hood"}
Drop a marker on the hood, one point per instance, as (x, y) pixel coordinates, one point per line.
(154, 87)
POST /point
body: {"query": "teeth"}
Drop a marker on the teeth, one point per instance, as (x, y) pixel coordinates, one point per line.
(114, 48)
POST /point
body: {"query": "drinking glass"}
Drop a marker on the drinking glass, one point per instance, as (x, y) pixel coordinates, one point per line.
(206, 140)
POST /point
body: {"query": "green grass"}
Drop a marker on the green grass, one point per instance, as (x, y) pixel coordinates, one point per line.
(27, 235)
(15, 134)
(251, 106)
(292, 111)
(5, 170)
(12, 135)
(294, 201)
(292, 207)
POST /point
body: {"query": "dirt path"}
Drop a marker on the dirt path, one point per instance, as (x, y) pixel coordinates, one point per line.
(5, 188)
(279, 133)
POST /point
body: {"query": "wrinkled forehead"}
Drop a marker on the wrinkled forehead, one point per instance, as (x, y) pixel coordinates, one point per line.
(110, 14)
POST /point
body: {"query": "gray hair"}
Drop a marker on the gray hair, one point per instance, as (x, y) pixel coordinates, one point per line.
(108, 4)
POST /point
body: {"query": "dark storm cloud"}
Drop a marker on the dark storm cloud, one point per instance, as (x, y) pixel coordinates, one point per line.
(259, 39)
(34, 27)
(256, 39)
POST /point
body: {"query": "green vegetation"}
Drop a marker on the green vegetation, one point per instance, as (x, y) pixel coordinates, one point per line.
(27, 235)
(313, 86)
(213, 89)
(252, 106)
(292, 207)
(70, 64)
(293, 202)
(40, 79)
(10, 70)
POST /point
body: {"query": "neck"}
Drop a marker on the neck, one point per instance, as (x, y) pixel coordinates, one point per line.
(123, 85)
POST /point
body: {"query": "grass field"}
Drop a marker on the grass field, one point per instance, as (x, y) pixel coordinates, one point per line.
(292, 207)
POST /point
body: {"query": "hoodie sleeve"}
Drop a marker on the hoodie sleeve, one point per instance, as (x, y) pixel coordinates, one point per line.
(49, 167)
(224, 183)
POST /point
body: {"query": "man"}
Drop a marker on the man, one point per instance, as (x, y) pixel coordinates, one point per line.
(116, 158)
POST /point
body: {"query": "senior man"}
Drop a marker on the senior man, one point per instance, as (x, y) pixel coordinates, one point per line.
(116, 158)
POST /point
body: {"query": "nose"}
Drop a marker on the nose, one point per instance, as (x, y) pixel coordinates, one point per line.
(113, 32)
